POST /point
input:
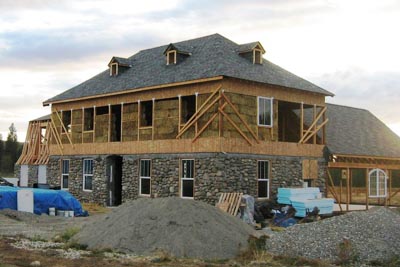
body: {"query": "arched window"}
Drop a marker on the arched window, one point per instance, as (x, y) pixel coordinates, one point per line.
(377, 183)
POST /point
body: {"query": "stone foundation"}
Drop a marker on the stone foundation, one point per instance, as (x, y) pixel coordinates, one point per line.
(214, 173)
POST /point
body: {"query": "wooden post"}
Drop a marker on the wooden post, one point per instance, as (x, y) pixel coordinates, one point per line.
(109, 123)
(138, 121)
(390, 185)
(196, 126)
(323, 130)
(220, 116)
(152, 118)
(315, 125)
(122, 119)
(340, 190)
(83, 123)
(366, 189)
(347, 189)
(301, 120)
(179, 112)
(351, 185)
(94, 124)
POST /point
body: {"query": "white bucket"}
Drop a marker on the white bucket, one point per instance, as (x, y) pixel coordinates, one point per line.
(52, 211)
(60, 213)
(71, 213)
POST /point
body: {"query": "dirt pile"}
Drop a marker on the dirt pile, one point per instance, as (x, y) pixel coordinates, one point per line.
(182, 228)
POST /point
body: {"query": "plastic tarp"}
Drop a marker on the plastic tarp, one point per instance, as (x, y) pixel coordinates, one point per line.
(43, 199)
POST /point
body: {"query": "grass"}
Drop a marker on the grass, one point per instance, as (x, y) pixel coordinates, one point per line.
(93, 208)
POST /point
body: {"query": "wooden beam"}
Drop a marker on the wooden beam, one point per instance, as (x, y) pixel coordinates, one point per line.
(347, 189)
(137, 90)
(198, 116)
(235, 126)
(205, 126)
(240, 117)
(366, 189)
(332, 188)
(63, 126)
(362, 165)
(199, 112)
(313, 123)
(301, 120)
(314, 132)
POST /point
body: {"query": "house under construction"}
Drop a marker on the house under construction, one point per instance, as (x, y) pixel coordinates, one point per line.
(198, 118)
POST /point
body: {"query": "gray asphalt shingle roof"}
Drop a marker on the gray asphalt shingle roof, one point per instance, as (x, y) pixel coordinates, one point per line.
(211, 56)
(354, 131)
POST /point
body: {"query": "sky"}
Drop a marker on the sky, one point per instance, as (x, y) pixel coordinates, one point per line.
(349, 47)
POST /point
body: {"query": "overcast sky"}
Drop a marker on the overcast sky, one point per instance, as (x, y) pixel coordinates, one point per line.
(349, 47)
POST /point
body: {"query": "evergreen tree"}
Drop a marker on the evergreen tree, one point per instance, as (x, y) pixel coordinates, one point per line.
(10, 150)
(1, 152)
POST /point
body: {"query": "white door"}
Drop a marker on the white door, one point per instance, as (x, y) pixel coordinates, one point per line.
(23, 181)
(42, 176)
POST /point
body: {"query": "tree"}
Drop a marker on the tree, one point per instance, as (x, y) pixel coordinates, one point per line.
(10, 155)
(1, 151)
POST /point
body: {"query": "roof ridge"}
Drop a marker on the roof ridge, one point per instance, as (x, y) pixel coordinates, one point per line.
(345, 106)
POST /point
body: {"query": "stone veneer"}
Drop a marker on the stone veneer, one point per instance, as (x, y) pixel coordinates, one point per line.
(214, 173)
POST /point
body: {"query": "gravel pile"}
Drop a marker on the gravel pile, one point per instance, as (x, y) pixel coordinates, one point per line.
(182, 228)
(373, 235)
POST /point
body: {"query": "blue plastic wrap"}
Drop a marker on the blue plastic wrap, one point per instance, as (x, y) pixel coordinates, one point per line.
(43, 199)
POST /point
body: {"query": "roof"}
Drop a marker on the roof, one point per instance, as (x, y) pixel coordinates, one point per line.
(43, 118)
(243, 48)
(353, 131)
(211, 56)
(120, 60)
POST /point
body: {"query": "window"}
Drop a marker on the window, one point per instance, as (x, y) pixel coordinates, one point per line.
(263, 178)
(146, 114)
(377, 183)
(171, 57)
(114, 69)
(145, 177)
(88, 123)
(187, 178)
(66, 120)
(257, 59)
(87, 174)
(188, 107)
(264, 111)
(64, 173)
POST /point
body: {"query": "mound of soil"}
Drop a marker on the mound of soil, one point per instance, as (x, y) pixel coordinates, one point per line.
(182, 228)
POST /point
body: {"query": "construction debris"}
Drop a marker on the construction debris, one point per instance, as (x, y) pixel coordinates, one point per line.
(179, 227)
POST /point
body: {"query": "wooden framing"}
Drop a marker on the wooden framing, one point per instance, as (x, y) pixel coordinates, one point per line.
(36, 149)
(352, 162)
(313, 129)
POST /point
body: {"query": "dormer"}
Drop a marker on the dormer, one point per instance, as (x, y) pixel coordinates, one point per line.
(118, 65)
(175, 54)
(252, 51)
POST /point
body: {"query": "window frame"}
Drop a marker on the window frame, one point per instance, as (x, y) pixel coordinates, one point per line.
(271, 99)
(186, 178)
(113, 69)
(63, 174)
(377, 183)
(268, 173)
(144, 177)
(168, 57)
(86, 175)
(255, 51)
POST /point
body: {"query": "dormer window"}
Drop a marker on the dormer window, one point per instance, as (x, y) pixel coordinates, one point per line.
(257, 58)
(118, 65)
(175, 53)
(252, 52)
(171, 57)
(114, 69)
